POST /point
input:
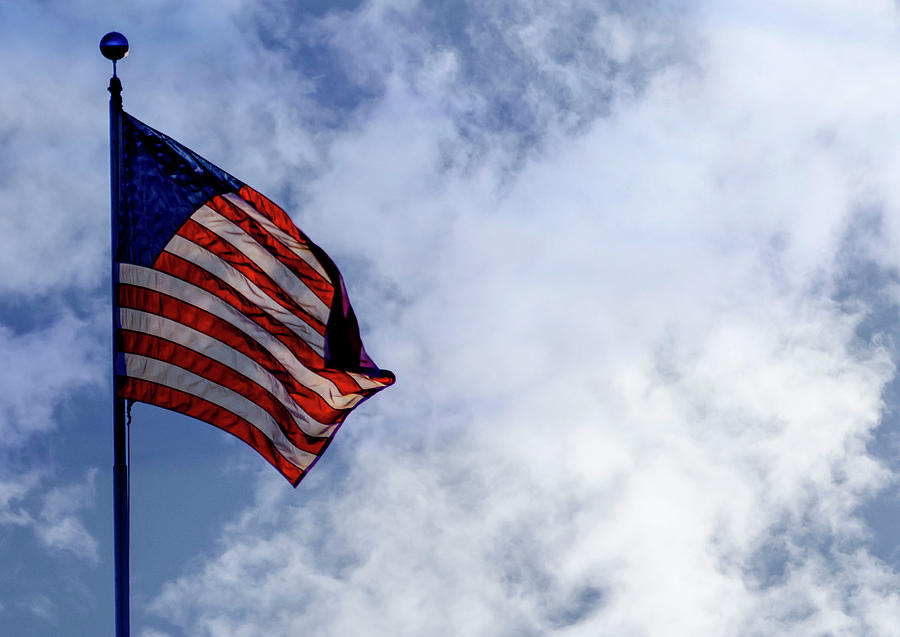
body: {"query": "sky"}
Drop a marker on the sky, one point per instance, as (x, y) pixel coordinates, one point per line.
(635, 266)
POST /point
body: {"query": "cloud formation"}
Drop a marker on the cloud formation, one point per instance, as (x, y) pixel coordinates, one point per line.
(59, 527)
(633, 398)
(633, 267)
(56, 522)
(45, 363)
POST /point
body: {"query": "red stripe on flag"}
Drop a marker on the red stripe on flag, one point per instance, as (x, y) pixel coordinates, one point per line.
(319, 285)
(169, 307)
(196, 407)
(187, 271)
(205, 238)
(196, 362)
(278, 216)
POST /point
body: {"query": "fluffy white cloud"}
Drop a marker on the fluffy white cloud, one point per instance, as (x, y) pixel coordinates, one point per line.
(629, 401)
(608, 253)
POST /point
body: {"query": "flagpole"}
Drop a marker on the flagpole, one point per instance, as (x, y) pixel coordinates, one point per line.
(114, 47)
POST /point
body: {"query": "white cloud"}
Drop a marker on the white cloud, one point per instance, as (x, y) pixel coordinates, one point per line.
(41, 606)
(59, 527)
(12, 492)
(43, 366)
(52, 513)
(627, 401)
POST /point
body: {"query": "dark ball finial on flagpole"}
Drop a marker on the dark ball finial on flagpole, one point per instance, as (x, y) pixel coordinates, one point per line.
(114, 46)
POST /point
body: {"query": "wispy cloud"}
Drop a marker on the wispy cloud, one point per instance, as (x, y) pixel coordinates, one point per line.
(505, 73)
(45, 361)
(59, 527)
(42, 607)
(52, 514)
(12, 492)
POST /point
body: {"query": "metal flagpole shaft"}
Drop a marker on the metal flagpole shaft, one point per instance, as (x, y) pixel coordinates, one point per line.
(114, 46)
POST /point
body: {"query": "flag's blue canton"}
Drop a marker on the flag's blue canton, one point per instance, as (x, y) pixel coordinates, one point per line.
(163, 184)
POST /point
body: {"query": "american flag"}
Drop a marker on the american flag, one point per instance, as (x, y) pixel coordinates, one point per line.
(226, 311)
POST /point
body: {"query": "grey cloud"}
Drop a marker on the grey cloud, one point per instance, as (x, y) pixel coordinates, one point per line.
(505, 72)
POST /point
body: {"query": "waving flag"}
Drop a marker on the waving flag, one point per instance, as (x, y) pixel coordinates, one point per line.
(226, 311)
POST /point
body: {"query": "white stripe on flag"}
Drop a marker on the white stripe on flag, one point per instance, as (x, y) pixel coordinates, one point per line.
(364, 381)
(206, 260)
(163, 373)
(167, 284)
(277, 271)
(298, 248)
(147, 323)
